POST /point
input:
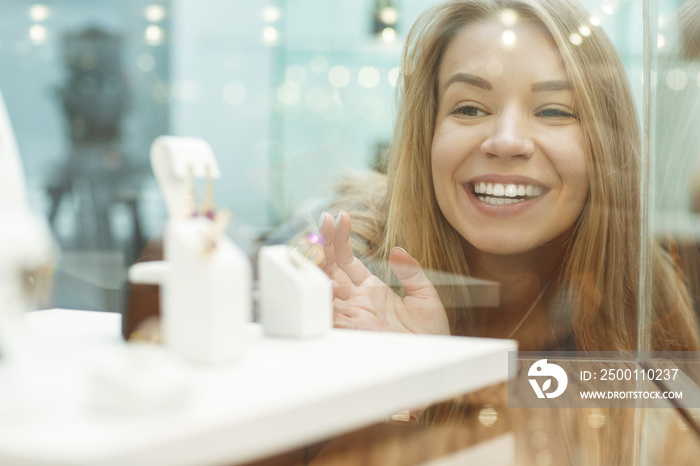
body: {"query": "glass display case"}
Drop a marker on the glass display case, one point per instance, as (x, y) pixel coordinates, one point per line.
(294, 96)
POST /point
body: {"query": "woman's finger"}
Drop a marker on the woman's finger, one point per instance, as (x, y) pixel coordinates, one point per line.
(341, 306)
(326, 226)
(349, 316)
(341, 321)
(411, 275)
(343, 254)
(342, 290)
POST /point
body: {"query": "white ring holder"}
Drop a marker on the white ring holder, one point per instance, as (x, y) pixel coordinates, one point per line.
(296, 297)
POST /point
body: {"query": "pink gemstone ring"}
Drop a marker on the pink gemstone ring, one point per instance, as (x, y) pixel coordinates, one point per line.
(316, 238)
(312, 249)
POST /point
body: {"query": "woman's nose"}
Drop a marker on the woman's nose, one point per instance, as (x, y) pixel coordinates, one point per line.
(509, 137)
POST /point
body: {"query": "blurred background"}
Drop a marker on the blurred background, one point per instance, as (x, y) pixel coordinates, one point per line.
(290, 94)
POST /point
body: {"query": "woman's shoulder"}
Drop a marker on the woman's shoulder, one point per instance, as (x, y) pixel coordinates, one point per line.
(365, 191)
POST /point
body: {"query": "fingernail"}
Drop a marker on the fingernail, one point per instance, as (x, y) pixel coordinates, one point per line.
(399, 247)
(320, 220)
(339, 218)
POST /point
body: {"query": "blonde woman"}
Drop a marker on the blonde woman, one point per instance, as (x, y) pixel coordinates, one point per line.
(515, 159)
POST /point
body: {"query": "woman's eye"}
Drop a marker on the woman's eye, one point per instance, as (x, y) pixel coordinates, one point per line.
(556, 113)
(469, 110)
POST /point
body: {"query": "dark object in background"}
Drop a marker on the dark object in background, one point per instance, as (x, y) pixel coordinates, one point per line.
(95, 96)
(141, 311)
(96, 173)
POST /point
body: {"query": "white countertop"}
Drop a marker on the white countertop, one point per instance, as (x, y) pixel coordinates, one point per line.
(59, 405)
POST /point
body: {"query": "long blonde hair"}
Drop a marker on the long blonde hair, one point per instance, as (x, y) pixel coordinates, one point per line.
(601, 269)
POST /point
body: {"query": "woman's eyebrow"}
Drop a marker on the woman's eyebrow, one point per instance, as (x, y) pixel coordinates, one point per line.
(468, 79)
(544, 86)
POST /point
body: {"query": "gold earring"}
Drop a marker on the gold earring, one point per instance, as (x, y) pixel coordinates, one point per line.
(209, 203)
(191, 196)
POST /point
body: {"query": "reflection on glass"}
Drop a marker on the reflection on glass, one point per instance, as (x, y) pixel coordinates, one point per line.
(524, 174)
(675, 128)
(515, 161)
(293, 94)
(677, 154)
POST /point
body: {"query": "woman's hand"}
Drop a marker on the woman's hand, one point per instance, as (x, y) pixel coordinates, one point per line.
(363, 301)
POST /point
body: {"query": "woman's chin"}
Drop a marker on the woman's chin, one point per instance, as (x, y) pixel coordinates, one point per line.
(507, 249)
(505, 245)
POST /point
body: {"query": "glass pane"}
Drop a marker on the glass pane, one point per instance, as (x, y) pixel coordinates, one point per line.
(676, 95)
(674, 98)
(517, 192)
(87, 88)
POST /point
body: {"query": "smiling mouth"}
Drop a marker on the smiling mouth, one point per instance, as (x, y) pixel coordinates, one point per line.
(504, 194)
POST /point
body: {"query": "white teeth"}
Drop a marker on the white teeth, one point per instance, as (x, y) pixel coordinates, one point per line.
(499, 200)
(508, 190)
(504, 194)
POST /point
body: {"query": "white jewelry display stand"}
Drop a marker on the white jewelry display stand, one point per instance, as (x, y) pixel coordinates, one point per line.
(25, 239)
(173, 161)
(296, 297)
(206, 293)
(206, 296)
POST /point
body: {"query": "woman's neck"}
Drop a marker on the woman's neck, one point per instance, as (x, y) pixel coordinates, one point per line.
(542, 264)
(527, 282)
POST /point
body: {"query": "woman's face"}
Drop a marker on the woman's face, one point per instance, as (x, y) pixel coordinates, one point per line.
(508, 158)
